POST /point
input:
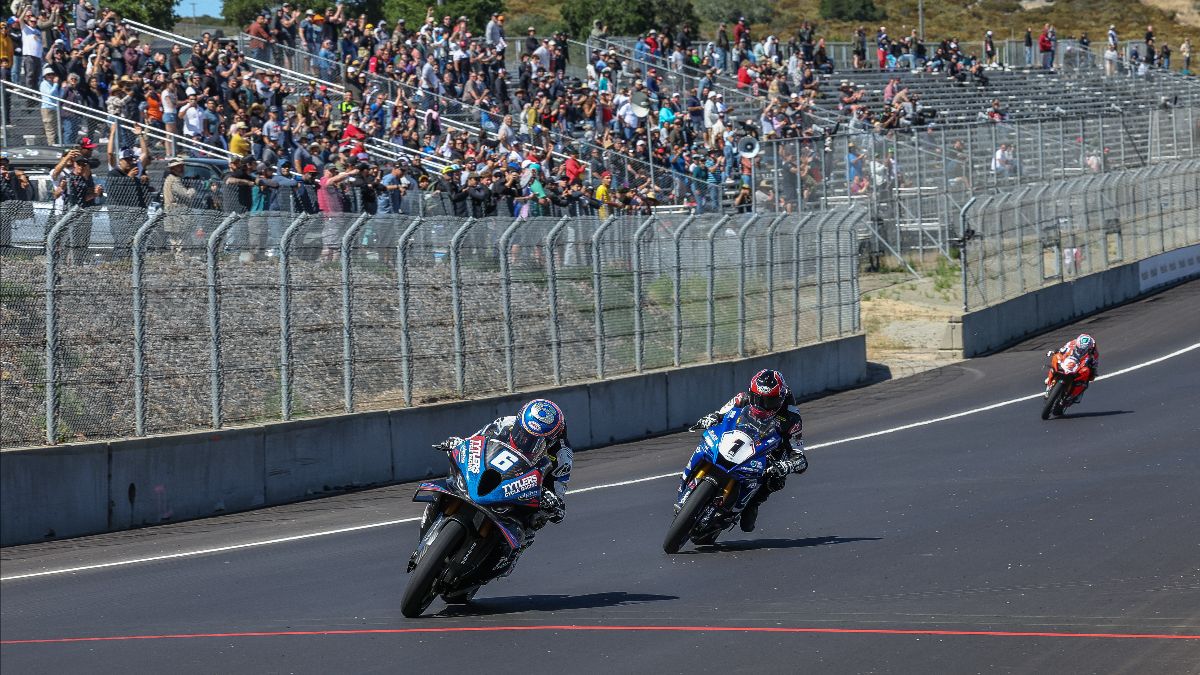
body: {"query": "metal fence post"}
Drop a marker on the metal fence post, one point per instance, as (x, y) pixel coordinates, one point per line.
(285, 317)
(52, 240)
(800, 223)
(837, 232)
(347, 313)
(402, 281)
(741, 284)
(216, 377)
(962, 251)
(3, 114)
(771, 229)
(821, 276)
(676, 283)
(460, 363)
(552, 297)
(855, 290)
(510, 376)
(1041, 146)
(598, 294)
(712, 285)
(639, 338)
(139, 328)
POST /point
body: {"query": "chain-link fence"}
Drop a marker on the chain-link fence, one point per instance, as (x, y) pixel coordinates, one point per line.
(1044, 234)
(203, 318)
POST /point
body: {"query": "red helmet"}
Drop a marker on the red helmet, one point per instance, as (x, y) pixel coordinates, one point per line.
(768, 393)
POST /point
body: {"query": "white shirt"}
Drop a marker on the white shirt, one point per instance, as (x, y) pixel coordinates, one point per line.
(31, 41)
(710, 113)
(1000, 160)
(193, 121)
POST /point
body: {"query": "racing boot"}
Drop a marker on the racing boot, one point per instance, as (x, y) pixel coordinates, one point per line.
(749, 516)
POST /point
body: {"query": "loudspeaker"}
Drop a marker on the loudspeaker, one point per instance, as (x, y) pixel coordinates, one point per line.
(748, 147)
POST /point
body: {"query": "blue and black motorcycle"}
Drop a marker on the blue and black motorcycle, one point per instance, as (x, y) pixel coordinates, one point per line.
(729, 465)
(477, 525)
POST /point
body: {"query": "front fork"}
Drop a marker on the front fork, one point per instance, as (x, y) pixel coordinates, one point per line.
(686, 485)
(432, 514)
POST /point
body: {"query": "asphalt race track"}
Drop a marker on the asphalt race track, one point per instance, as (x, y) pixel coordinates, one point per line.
(987, 542)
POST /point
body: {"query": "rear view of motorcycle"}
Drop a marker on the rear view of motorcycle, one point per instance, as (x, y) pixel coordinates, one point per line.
(728, 466)
(476, 524)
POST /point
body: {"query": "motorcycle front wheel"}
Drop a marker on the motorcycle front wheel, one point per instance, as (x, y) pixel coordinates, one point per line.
(685, 520)
(419, 592)
(1052, 405)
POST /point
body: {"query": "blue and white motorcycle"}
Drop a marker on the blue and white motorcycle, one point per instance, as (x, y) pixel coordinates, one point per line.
(478, 522)
(729, 465)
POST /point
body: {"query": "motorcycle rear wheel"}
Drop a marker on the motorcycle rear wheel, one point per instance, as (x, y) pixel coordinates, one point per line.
(685, 520)
(1053, 404)
(419, 593)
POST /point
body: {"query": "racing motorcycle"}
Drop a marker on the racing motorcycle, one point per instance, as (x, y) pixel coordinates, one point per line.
(477, 524)
(730, 463)
(1067, 379)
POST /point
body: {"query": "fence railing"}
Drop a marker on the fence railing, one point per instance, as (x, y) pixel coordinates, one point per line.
(1044, 234)
(273, 316)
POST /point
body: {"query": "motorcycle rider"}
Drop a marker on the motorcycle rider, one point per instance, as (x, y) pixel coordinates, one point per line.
(767, 398)
(1084, 350)
(538, 429)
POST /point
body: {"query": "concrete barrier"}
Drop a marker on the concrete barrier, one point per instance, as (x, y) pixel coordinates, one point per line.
(73, 490)
(51, 493)
(170, 478)
(328, 454)
(992, 328)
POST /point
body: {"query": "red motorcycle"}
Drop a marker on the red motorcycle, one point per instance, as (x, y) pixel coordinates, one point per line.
(1067, 379)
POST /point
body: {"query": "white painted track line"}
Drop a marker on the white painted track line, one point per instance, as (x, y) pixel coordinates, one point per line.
(674, 474)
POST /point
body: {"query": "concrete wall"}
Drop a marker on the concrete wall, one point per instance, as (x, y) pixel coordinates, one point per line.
(73, 490)
(1002, 325)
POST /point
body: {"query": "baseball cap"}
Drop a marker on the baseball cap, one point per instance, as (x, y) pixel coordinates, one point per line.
(309, 168)
(87, 143)
(128, 153)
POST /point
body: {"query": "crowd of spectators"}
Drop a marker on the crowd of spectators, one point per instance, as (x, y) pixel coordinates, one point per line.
(631, 131)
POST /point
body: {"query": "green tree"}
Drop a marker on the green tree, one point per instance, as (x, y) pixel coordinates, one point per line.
(628, 17)
(151, 12)
(674, 14)
(478, 12)
(623, 17)
(850, 10)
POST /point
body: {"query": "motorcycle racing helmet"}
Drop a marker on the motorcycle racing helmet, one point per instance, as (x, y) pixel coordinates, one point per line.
(768, 394)
(1085, 343)
(538, 421)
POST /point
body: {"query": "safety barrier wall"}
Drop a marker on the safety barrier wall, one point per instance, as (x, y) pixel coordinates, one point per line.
(1001, 325)
(78, 489)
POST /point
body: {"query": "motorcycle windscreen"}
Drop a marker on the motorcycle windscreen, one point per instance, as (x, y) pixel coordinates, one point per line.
(507, 477)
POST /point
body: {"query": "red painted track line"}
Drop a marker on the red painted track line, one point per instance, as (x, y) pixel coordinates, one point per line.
(677, 629)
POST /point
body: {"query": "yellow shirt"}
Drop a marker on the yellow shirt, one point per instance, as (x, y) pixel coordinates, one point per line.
(239, 145)
(602, 196)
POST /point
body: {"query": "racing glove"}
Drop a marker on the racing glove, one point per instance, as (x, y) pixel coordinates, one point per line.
(703, 423)
(554, 508)
(797, 463)
(447, 445)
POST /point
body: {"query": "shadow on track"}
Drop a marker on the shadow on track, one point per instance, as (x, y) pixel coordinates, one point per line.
(1102, 413)
(759, 544)
(549, 603)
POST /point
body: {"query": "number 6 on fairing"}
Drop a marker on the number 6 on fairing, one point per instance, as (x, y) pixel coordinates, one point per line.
(503, 461)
